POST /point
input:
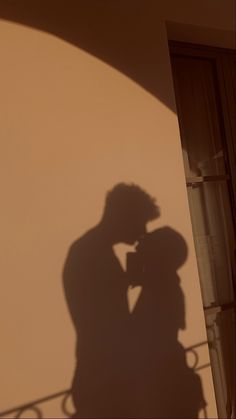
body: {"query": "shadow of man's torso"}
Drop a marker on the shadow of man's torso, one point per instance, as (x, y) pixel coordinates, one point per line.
(96, 293)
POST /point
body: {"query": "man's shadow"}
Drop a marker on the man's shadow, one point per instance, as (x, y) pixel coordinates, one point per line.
(129, 364)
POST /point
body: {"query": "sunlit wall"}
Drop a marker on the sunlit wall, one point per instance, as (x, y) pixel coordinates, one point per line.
(72, 127)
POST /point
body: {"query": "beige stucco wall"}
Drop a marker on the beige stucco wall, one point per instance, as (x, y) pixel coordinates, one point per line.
(71, 127)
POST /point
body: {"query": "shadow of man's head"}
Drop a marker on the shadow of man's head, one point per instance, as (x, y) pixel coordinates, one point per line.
(128, 209)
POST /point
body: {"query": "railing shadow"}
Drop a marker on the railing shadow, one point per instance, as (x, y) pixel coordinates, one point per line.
(35, 405)
(19, 411)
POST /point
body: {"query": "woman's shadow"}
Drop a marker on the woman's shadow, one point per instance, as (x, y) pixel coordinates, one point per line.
(163, 385)
(129, 364)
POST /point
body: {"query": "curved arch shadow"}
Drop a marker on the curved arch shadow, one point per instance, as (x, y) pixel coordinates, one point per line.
(101, 28)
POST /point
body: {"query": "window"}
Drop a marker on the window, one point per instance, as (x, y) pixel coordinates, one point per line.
(205, 89)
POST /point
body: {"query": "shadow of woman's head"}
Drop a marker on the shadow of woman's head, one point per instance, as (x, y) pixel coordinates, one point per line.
(163, 249)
